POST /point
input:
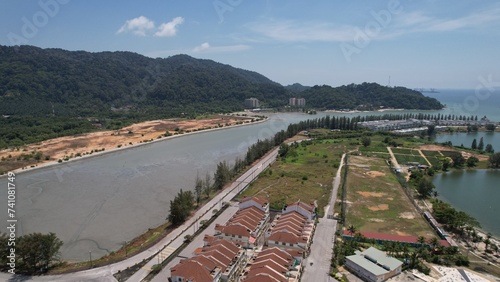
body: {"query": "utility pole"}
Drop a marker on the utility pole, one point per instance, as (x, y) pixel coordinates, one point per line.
(90, 258)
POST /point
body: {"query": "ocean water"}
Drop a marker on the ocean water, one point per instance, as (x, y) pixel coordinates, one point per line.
(474, 192)
(468, 102)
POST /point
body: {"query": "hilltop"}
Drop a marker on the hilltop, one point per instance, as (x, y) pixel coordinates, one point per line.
(367, 96)
(56, 82)
(48, 93)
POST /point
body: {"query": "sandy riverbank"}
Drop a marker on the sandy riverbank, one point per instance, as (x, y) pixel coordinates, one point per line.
(86, 145)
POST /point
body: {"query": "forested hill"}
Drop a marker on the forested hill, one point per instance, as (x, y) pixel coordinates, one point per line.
(296, 87)
(367, 96)
(55, 82)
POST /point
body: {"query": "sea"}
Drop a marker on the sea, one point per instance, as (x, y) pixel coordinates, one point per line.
(475, 192)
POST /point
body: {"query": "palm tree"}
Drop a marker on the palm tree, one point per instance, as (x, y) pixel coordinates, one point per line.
(434, 243)
(421, 240)
(352, 229)
(486, 242)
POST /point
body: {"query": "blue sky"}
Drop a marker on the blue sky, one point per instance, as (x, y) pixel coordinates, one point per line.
(440, 44)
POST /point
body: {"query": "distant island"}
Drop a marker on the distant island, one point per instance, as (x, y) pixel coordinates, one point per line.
(48, 93)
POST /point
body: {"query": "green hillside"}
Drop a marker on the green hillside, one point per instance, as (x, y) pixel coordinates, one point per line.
(367, 96)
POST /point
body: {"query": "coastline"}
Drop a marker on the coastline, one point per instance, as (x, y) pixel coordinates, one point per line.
(51, 163)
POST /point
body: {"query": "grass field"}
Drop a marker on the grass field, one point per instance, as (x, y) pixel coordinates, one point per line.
(374, 149)
(306, 174)
(376, 202)
(432, 157)
(404, 159)
(404, 151)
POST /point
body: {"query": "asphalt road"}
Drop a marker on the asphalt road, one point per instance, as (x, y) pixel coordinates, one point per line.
(167, 244)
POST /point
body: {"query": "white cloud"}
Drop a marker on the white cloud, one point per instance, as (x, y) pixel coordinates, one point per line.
(137, 26)
(207, 48)
(143, 26)
(401, 24)
(299, 31)
(202, 47)
(477, 20)
(169, 29)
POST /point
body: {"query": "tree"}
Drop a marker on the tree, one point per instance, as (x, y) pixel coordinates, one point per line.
(433, 242)
(472, 161)
(458, 160)
(222, 175)
(474, 144)
(489, 149)
(425, 187)
(490, 127)
(487, 241)
(480, 146)
(181, 207)
(198, 188)
(37, 252)
(366, 141)
(352, 229)
(494, 160)
(283, 150)
(207, 184)
(421, 240)
(446, 164)
(431, 129)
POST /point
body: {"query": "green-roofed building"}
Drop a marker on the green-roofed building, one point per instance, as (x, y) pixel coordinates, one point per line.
(373, 265)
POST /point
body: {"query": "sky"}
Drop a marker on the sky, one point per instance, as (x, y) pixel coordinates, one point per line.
(427, 43)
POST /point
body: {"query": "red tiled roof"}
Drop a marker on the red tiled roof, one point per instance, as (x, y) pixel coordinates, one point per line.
(282, 260)
(192, 271)
(271, 263)
(217, 254)
(291, 252)
(286, 237)
(261, 278)
(261, 201)
(302, 205)
(267, 271)
(236, 229)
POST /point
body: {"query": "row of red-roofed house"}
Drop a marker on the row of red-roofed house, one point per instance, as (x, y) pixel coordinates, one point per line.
(285, 241)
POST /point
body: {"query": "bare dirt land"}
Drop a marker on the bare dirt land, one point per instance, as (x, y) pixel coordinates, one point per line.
(65, 148)
(377, 203)
(465, 154)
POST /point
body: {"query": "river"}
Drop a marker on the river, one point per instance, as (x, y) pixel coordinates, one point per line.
(474, 191)
(98, 203)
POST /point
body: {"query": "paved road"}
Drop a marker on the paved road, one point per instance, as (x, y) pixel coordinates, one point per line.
(317, 264)
(167, 244)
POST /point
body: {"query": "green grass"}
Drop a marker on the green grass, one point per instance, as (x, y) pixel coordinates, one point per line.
(305, 175)
(404, 159)
(450, 153)
(373, 149)
(430, 153)
(376, 202)
(432, 156)
(404, 151)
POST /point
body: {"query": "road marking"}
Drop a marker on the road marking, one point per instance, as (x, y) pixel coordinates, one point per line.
(165, 253)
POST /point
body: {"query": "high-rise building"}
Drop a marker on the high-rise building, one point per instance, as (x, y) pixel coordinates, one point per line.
(297, 101)
(252, 103)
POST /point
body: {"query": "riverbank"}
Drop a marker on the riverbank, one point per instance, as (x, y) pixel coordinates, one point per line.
(357, 111)
(70, 148)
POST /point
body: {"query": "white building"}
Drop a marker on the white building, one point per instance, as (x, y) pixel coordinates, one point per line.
(373, 265)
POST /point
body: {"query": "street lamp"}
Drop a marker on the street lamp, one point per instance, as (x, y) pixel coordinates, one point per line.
(90, 258)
